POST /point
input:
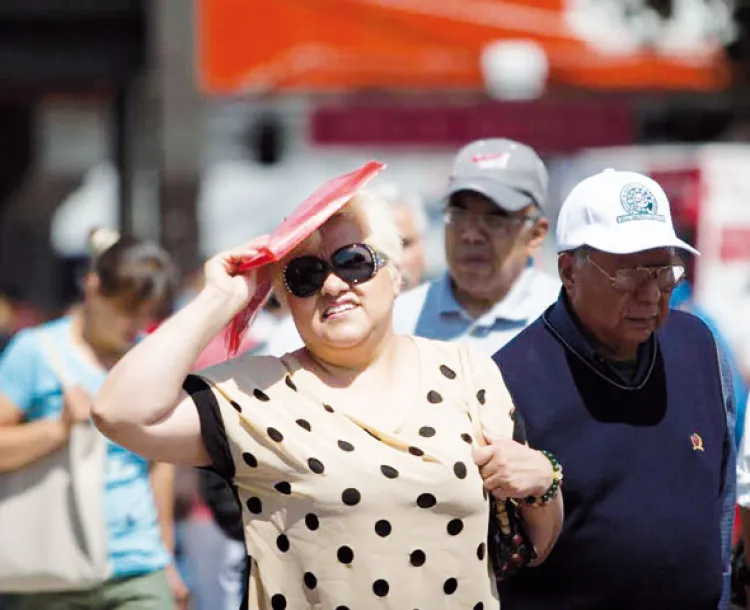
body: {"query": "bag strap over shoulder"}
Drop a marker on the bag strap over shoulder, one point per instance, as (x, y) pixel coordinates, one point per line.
(54, 359)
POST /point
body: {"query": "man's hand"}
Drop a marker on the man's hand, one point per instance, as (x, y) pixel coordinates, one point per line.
(180, 592)
(512, 470)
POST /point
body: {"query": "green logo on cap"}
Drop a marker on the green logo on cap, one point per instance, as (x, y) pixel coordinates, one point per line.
(639, 203)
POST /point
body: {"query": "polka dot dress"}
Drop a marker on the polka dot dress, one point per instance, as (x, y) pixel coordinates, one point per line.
(341, 515)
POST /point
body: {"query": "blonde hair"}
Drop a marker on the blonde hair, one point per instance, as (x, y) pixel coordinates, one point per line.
(374, 217)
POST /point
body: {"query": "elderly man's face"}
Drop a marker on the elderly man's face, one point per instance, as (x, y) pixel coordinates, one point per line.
(413, 265)
(486, 247)
(620, 315)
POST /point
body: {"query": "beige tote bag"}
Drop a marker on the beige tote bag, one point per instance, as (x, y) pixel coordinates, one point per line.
(53, 533)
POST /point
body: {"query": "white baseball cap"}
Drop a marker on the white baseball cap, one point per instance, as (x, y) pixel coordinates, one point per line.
(618, 212)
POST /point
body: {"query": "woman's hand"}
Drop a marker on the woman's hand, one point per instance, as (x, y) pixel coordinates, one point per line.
(222, 276)
(512, 470)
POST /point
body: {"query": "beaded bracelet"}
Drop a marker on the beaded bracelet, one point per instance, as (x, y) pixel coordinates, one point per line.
(554, 488)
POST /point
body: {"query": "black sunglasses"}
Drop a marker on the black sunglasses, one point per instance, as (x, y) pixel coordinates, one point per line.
(355, 264)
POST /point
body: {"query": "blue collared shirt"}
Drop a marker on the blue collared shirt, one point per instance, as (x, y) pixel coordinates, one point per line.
(431, 311)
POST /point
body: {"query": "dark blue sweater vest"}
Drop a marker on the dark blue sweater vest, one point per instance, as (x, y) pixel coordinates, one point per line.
(641, 490)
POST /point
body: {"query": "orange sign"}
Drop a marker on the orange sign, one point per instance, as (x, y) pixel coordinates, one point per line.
(338, 45)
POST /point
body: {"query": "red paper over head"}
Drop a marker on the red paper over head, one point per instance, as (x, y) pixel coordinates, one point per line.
(295, 229)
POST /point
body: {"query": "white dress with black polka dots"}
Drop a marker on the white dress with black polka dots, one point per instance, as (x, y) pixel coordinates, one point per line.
(340, 515)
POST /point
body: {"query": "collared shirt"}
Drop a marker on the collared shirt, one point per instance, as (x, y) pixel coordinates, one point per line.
(563, 322)
(431, 311)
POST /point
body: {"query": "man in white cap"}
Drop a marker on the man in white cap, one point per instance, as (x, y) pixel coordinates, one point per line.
(635, 401)
(493, 225)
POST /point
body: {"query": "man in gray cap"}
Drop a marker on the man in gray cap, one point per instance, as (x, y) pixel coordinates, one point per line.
(493, 225)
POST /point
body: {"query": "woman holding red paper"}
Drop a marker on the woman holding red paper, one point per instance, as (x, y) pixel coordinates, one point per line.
(361, 460)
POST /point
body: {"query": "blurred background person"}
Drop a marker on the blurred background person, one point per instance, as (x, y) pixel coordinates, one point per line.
(225, 570)
(412, 224)
(129, 285)
(210, 540)
(494, 223)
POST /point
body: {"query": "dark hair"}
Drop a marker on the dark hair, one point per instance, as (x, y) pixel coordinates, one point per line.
(133, 271)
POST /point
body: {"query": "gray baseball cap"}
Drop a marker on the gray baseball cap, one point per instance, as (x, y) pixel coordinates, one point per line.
(509, 173)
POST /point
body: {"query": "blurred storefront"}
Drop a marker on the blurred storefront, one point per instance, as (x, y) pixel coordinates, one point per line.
(90, 83)
(208, 121)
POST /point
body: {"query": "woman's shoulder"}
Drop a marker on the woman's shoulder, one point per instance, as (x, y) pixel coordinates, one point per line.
(246, 373)
(243, 365)
(436, 347)
(454, 351)
(464, 360)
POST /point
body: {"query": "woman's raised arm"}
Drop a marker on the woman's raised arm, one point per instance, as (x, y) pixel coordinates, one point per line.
(141, 405)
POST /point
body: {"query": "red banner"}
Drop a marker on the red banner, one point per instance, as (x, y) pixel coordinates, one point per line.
(549, 127)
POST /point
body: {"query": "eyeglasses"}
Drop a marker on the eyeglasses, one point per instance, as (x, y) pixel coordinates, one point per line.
(355, 264)
(497, 224)
(629, 280)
